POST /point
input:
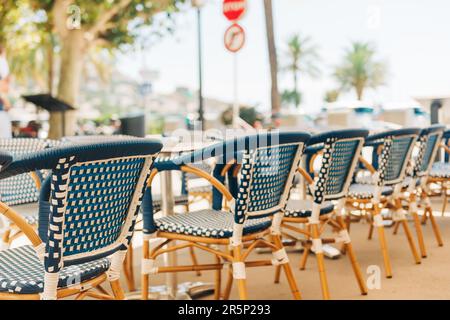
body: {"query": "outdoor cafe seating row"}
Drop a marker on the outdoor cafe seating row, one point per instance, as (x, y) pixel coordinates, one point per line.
(90, 197)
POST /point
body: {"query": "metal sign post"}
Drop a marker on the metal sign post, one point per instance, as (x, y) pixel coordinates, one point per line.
(234, 40)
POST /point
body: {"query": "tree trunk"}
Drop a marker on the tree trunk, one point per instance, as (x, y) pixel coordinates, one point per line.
(297, 97)
(359, 92)
(275, 95)
(72, 56)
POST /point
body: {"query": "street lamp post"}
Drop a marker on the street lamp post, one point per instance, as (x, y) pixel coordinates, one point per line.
(198, 4)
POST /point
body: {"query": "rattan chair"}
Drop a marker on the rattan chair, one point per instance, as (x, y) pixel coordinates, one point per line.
(339, 152)
(440, 173)
(415, 184)
(87, 212)
(22, 190)
(267, 166)
(391, 154)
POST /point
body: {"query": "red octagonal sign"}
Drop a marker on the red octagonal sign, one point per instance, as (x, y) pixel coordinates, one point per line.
(233, 10)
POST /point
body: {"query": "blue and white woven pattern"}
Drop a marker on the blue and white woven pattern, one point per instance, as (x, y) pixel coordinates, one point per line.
(338, 162)
(266, 177)
(303, 208)
(429, 146)
(21, 189)
(208, 223)
(21, 271)
(399, 155)
(91, 204)
(367, 191)
(440, 170)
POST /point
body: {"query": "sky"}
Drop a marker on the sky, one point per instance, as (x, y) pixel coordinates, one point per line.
(411, 36)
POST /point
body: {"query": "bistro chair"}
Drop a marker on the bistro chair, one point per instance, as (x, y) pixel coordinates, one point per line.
(391, 152)
(267, 166)
(440, 173)
(415, 184)
(180, 200)
(21, 191)
(339, 151)
(87, 212)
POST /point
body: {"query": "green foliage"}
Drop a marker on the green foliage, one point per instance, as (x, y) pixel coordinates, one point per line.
(248, 114)
(359, 69)
(291, 97)
(331, 95)
(302, 57)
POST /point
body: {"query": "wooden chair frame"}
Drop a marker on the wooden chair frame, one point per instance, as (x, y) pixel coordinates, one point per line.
(444, 184)
(128, 262)
(222, 257)
(12, 231)
(374, 211)
(80, 291)
(313, 232)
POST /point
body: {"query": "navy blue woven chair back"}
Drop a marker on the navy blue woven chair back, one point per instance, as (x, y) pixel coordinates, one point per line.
(267, 171)
(341, 150)
(94, 191)
(21, 189)
(446, 141)
(396, 149)
(429, 140)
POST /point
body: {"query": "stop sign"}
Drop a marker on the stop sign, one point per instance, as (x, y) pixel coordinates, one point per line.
(233, 10)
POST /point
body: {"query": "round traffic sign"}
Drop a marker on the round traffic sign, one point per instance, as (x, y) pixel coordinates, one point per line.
(233, 10)
(234, 38)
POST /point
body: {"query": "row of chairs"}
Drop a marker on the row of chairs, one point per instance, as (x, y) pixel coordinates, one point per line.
(90, 195)
(397, 179)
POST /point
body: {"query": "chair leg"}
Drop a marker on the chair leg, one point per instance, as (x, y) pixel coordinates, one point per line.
(352, 257)
(117, 290)
(425, 216)
(240, 278)
(419, 233)
(229, 284)
(444, 204)
(383, 244)
(218, 281)
(128, 270)
(348, 221)
(277, 274)
(194, 260)
(306, 251)
(304, 258)
(435, 226)
(396, 226)
(145, 276)
(410, 241)
(320, 261)
(287, 269)
(369, 237)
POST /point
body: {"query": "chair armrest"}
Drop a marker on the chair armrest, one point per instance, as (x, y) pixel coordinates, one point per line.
(306, 175)
(198, 172)
(446, 148)
(367, 165)
(20, 222)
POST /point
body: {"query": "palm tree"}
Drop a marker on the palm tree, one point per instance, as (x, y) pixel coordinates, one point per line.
(275, 95)
(360, 69)
(302, 56)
